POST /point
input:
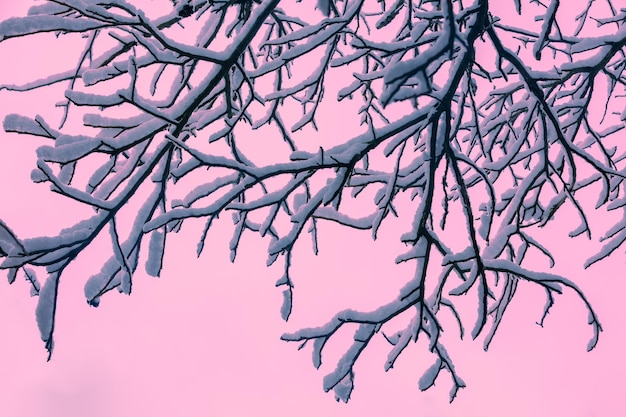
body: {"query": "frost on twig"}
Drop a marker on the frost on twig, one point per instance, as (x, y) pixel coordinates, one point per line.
(477, 144)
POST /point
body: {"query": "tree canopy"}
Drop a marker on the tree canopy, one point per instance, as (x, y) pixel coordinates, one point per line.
(497, 120)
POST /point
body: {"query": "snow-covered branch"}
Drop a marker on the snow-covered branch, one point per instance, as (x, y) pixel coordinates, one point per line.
(502, 143)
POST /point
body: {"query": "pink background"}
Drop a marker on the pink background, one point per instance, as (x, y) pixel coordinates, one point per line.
(203, 340)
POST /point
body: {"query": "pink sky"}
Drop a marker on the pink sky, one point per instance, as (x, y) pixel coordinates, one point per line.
(203, 340)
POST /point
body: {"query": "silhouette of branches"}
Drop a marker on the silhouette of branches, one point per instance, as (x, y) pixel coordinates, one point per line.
(502, 138)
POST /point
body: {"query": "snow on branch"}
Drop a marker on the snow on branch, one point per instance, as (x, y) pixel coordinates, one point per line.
(23, 26)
